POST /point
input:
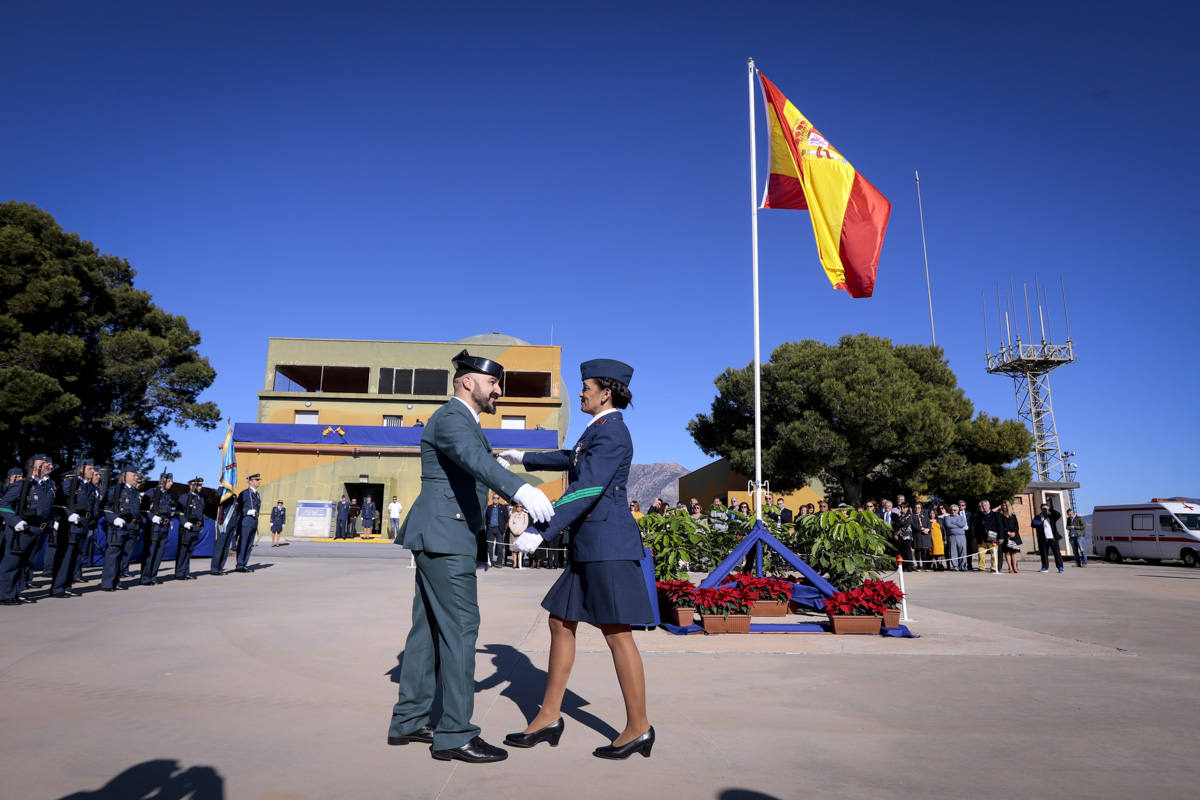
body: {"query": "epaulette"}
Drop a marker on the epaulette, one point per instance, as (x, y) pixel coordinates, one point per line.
(602, 420)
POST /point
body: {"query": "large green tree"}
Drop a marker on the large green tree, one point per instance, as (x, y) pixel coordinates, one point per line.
(88, 364)
(867, 418)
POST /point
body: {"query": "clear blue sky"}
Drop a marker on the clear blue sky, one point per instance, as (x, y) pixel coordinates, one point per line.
(406, 171)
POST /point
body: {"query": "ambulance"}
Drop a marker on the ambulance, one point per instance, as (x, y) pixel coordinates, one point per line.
(1161, 529)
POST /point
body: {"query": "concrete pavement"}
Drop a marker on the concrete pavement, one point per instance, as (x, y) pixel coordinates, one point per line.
(279, 685)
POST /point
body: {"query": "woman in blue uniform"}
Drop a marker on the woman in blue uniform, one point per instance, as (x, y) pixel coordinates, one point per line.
(603, 585)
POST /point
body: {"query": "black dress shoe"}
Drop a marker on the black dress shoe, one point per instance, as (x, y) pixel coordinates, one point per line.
(23, 599)
(217, 572)
(67, 593)
(243, 569)
(423, 734)
(121, 588)
(551, 733)
(476, 751)
(641, 744)
(108, 588)
(10, 601)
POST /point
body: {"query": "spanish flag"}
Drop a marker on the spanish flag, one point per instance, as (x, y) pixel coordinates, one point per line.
(849, 215)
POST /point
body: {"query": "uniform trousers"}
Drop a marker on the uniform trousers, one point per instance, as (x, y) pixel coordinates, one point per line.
(85, 553)
(156, 545)
(248, 527)
(221, 548)
(440, 649)
(183, 554)
(341, 529)
(113, 552)
(67, 558)
(13, 565)
(132, 540)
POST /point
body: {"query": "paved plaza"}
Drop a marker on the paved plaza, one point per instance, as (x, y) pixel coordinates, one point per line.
(278, 685)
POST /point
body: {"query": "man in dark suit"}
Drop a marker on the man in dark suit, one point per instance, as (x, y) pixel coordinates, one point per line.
(249, 502)
(1045, 528)
(343, 518)
(496, 521)
(785, 514)
(457, 469)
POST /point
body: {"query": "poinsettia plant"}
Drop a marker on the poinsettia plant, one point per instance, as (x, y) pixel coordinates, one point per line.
(854, 602)
(763, 588)
(677, 594)
(886, 592)
(723, 601)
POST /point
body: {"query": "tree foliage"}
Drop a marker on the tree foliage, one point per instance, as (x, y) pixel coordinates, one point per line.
(864, 416)
(88, 364)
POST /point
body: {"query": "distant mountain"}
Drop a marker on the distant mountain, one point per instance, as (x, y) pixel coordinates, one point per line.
(648, 481)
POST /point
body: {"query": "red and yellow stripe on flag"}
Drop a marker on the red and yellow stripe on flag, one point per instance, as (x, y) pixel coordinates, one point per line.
(849, 215)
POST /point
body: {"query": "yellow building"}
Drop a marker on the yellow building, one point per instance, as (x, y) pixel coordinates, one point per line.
(345, 416)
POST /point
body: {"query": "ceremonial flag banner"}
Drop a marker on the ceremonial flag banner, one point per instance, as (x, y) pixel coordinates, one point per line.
(228, 482)
(849, 215)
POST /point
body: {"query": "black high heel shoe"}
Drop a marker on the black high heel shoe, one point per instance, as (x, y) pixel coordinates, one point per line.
(641, 744)
(551, 733)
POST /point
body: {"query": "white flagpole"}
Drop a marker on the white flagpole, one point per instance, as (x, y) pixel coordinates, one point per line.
(925, 250)
(754, 261)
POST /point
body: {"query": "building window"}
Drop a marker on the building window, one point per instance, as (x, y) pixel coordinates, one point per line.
(321, 378)
(526, 384)
(414, 381)
(393, 421)
(306, 417)
(512, 423)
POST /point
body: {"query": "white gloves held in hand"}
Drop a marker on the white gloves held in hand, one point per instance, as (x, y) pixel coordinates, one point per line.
(117, 521)
(528, 542)
(510, 457)
(73, 519)
(187, 525)
(251, 512)
(156, 519)
(535, 502)
(20, 526)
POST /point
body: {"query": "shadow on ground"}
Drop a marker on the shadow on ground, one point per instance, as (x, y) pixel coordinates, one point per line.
(160, 779)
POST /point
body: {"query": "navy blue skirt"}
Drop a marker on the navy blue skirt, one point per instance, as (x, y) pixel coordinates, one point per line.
(600, 593)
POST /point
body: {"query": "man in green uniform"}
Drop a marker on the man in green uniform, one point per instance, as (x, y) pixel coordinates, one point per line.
(457, 469)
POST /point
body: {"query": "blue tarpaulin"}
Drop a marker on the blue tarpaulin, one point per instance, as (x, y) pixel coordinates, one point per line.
(380, 436)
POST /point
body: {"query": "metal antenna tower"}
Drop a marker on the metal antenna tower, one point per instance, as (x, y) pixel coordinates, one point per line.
(1029, 364)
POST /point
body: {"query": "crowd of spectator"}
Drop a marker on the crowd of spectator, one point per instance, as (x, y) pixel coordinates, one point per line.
(935, 537)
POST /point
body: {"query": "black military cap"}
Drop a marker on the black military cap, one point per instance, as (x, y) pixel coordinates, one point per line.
(43, 457)
(607, 368)
(465, 362)
(16, 471)
(129, 468)
(166, 476)
(196, 479)
(254, 477)
(87, 462)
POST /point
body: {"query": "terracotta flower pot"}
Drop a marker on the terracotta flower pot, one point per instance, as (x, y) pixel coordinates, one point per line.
(739, 623)
(769, 608)
(714, 623)
(891, 618)
(855, 624)
(682, 617)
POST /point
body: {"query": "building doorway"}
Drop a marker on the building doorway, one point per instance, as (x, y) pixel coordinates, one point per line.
(360, 492)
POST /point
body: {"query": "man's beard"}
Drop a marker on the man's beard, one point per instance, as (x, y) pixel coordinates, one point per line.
(485, 402)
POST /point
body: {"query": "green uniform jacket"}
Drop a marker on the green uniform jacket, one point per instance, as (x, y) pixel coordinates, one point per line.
(457, 468)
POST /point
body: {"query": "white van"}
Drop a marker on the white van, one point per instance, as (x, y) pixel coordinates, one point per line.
(1162, 528)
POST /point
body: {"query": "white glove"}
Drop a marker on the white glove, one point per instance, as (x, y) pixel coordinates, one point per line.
(251, 512)
(502, 462)
(528, 542)
(117, 521)
(20, 526)
(187, 525)
(535, 502)
(157, 520)
(512, 456)
(55, 524)
(73, 519)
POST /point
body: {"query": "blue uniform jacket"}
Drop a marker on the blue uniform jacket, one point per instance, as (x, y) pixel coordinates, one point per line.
(8, 503)
(247, 500)
(343, 511)
(39, 502)
(278, 518)
(595, 507)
